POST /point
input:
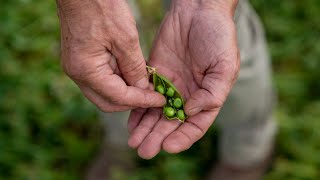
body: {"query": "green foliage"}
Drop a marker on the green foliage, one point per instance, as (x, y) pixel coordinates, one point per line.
(293, 31)
(47, 129)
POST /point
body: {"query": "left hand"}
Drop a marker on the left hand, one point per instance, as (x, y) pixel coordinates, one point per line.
(196, 49)
(100, 52)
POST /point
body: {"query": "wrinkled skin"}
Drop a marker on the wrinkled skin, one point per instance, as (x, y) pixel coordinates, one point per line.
(100, 52)
(196, 48)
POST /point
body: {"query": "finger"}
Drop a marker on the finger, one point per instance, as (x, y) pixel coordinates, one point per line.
(215, 88)
(101, 103)
(152, 144)
(145, 127)
(98, 75)
(115, 89)
(129, 57)
(136, 115)
(134, 118)
(200, 100)
(114, 66)
(189, 132)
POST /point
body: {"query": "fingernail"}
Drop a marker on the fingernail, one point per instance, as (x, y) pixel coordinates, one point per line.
(143, 83)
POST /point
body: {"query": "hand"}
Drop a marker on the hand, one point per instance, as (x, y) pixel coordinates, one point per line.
(196, 49)
(100, 51)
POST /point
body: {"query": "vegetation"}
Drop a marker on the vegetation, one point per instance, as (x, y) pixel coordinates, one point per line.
(49, 131)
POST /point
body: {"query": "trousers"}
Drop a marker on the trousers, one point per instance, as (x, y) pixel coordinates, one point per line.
(246, 121)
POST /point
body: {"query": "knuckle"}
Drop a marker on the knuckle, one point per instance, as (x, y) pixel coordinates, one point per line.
(115, 99)
(132, 37)
(134, 71)
(144, 101)
(214, 101)
(128, 38)
(67, 69)
(198, 132)
(218, 102)
(70, 67)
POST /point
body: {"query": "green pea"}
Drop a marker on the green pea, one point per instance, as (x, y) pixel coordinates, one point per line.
(181, 114)
(177, 102)
(170, 92)
(169, 111)
(160, 89)
(174, 106)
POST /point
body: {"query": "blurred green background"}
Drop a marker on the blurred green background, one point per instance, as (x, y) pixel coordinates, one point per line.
(49, 131)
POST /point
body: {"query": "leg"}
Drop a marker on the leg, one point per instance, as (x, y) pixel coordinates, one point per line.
(246, 121)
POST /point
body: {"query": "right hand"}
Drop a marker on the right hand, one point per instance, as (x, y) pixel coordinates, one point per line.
(196, 48)
(100, 52)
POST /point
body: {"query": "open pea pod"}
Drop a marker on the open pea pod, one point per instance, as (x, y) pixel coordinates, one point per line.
(174, 109)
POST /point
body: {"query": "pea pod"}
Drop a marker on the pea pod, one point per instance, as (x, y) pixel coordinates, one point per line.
(174, 109)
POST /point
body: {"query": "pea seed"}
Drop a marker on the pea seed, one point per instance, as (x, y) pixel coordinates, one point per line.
(169, 111)
(174, 107)
(160, 89)
(181, 115)
(177, 102)
(170, 92)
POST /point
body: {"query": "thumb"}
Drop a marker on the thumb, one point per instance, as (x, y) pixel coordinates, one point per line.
(131, 62)
(212, 95)
(202, 100)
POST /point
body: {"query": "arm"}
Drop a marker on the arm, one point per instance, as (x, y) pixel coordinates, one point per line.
(100, 52)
